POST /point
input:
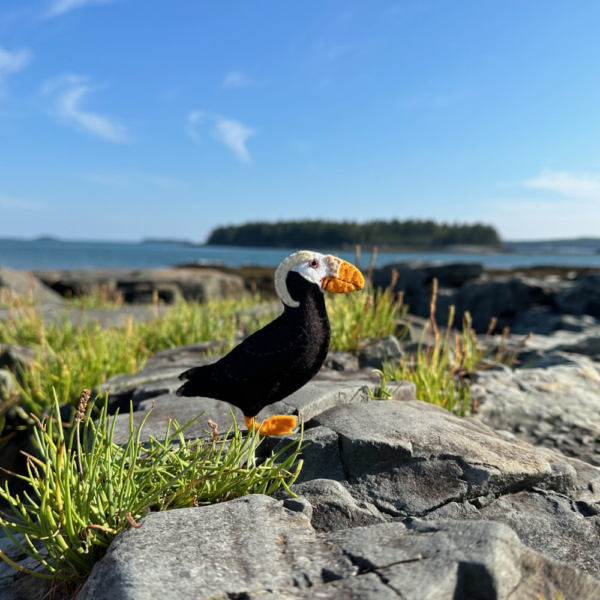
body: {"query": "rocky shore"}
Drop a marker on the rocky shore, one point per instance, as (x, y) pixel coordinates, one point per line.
(397, 498)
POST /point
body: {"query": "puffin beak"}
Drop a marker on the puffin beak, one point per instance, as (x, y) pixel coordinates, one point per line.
(344, 277)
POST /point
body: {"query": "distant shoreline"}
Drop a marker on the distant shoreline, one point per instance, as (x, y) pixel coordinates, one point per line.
(580, 246)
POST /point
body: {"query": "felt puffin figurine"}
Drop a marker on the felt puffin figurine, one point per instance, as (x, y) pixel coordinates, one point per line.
(287, 353)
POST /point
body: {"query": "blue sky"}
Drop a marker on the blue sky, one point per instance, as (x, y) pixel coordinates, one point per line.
(122, 119)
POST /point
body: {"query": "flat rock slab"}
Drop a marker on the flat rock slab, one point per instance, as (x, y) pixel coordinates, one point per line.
(556, 407)
(249, 544)
(255, 548)
(550, 523)
(306, 403)
(408, 458)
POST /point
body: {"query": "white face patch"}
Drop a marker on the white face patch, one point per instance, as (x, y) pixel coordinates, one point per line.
(315, 269)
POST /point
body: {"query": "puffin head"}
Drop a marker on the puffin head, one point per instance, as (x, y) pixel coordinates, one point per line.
(329, 273)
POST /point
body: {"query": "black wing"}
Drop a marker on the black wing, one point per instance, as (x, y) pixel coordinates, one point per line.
(255, 370)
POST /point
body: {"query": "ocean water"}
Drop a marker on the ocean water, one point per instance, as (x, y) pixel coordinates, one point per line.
(50, 254)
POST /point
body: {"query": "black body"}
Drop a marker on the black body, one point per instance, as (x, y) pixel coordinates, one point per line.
(275, 361)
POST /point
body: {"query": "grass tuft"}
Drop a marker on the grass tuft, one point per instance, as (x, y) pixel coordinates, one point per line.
(83, 489)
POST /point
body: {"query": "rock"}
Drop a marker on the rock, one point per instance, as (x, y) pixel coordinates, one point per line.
(254, 547)
(333, 508)
(505, 299)
(13, 586)
(459, 561)
(588, 346)
(312, 399)
(321, 455)
(23, 284)
(341, 361)
(409, 458)
(582, 297)
(7, 385)
(216, 551)
(16, 358)
(556, 407)
(385, 350)
(550, 523)
(142, 286)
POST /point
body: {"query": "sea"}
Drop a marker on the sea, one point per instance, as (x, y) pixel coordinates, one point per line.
(54, 254)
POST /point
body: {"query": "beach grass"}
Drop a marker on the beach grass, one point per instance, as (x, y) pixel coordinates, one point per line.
(83, 489)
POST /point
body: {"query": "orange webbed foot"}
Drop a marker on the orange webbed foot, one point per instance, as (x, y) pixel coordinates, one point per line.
(279, 425)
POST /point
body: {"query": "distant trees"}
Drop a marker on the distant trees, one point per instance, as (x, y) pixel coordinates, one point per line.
(330, 234)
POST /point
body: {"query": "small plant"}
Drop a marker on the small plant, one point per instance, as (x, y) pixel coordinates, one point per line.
(380, 392)
(441, 366)
(368, 314)
(84, 489)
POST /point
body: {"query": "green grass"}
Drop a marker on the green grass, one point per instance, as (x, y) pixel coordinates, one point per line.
(361, 315)
(83, 489)
(443, 362)
(70, 358)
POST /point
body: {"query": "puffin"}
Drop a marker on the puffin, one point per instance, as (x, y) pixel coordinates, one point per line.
(286, 354)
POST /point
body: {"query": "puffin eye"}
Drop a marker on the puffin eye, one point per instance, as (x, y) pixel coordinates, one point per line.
(313, 264)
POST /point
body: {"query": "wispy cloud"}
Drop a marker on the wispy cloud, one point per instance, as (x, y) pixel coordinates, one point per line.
(572, 211)
(237, 79)
(68, 93)
(12, 203)
(60, 7)
(585, 187)
(12, 62)
(232, 134)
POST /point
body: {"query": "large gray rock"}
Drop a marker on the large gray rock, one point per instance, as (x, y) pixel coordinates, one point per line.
(312, 399)
(376, 355)
(105, 317)
(550, 523)
(459, 561)
(23, 284)
(255, 548)
(556, 407)
(213, 552)
(333, 508)
(409, 458)
(141, 286)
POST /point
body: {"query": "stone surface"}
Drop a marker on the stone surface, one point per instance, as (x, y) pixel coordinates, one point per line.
(376, 355)
(312, 399)
(255, 548)
(333, 508)
(24, 284)
(408, 458)
(245, 545)
(550, 523)
(15, 358)
(105, 317)
(556, 407)
(341, 361)
(141, 286)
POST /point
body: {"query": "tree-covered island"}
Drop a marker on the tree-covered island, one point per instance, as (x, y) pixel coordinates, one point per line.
(411, 234)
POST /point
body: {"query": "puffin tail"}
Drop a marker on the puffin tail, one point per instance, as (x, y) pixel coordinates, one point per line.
(192, 387)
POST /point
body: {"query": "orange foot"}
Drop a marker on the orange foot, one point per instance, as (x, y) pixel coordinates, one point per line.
(278, 425)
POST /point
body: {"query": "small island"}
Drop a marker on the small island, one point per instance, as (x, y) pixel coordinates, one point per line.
(393, 234)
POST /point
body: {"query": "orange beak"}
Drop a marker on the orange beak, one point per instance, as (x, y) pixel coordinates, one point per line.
(345, 277)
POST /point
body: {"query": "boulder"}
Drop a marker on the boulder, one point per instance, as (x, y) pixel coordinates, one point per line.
(16, 358)
(409, 458)
(333, 508)
(556, 407)
(312, 399)
(387, 349)
(143, 286)
(22, 284)
(550, 523)
(254, 547)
